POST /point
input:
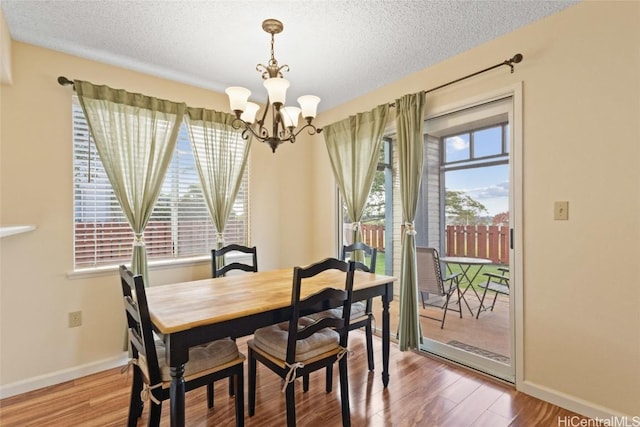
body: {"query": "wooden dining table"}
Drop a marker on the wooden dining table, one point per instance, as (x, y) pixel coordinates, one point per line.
(188, 314)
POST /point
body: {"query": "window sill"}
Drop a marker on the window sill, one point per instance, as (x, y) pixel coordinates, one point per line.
(153, 265)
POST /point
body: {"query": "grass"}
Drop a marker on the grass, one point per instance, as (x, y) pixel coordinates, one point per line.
(480, 278)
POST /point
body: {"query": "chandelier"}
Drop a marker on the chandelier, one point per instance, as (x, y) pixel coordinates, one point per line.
(284, 120)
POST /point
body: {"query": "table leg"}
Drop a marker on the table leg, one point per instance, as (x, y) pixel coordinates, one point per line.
(386, 331)
(468, 280)
(177, 395)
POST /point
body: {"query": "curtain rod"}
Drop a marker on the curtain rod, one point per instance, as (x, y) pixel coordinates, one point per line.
(63, 81)
(516, 59)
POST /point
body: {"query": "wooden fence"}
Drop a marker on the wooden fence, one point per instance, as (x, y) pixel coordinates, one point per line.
(478, 241)
(103, 243)
(373, 235)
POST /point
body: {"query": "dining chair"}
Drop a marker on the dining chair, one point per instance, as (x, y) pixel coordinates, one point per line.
(303, 345)
(498, 284)
(219, 268)
(362, 312)
(218, 258)
(436, 290)
(152, 379)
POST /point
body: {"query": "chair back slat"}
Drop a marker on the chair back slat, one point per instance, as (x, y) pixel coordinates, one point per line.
(217, 254)
(369, 252)
(139, 322)
(330, 297)
(327, 298)
(429, 272)
(325, 322)
(235, 266)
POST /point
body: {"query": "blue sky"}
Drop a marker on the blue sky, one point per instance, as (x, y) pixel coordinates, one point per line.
(488, 185)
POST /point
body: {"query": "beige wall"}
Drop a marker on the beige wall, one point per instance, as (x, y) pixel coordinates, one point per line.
(581, 90)
(36, 188)
(581, 132)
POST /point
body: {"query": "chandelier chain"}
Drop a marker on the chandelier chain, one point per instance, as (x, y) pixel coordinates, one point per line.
(273, 60)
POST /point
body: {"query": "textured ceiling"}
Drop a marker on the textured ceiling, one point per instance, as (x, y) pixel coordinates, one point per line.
(336, 49)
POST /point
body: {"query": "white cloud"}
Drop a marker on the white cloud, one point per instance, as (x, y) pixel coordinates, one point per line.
(457, 143)
(493, 191)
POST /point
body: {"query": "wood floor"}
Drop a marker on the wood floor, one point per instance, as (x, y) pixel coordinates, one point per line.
(422, 392)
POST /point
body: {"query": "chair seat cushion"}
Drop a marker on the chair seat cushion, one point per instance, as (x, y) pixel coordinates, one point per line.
(357, 310)
(201, 358)
(273, 340)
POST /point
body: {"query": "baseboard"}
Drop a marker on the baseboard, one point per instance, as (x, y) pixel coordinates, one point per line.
(579, 406)
(58, 377)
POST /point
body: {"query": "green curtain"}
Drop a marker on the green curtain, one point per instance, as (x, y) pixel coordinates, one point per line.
(221, 157)
(354, 148)
(409, 125)
(135, 136)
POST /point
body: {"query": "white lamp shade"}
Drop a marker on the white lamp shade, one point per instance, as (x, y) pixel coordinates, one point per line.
(249, 114)
(277, 89)
(309, 105)
(238, 97)
(290, 116)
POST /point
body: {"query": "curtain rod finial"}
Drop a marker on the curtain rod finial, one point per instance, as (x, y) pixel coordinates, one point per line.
(517, 58)
(63, 81)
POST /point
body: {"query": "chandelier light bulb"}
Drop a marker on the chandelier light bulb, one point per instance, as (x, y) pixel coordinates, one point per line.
(249, 114)
(309, 105)
(277, 89)
(238, 97)
(290, 116)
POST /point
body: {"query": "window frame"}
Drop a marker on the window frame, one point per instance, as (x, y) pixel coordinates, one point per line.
(82, 140)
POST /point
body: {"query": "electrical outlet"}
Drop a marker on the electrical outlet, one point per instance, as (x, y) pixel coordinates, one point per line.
(75, 319)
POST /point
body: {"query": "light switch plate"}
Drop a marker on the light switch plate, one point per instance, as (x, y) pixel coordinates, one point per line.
(561, 210)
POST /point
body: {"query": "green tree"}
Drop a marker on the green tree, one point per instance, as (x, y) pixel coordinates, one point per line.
(464, 209)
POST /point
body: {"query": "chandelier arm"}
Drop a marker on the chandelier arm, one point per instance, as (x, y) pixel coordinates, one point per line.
(264, 114)
(311, 131)
(238, 123)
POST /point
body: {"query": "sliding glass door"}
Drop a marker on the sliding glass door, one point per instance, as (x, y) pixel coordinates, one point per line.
(464, 212)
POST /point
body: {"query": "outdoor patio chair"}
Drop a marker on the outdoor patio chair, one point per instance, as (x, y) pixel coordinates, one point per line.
(498, 284)
(435, 290)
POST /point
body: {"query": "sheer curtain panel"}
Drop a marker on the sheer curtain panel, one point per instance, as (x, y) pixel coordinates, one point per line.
(135, 136)
(221, 157)
(354, 146)
(409, 125)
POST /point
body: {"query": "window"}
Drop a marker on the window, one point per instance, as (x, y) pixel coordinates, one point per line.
(179, 227)
(377, 218)
(465, 188)
(476, 175)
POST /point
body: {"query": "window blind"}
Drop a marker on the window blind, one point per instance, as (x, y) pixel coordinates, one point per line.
(179, 227)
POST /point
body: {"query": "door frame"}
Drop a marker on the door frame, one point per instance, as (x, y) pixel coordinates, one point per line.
(516, 372)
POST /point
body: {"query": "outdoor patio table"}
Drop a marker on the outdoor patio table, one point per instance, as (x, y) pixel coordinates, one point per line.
(469, 268)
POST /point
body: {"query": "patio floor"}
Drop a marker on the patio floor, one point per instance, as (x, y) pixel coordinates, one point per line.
(490, 332)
